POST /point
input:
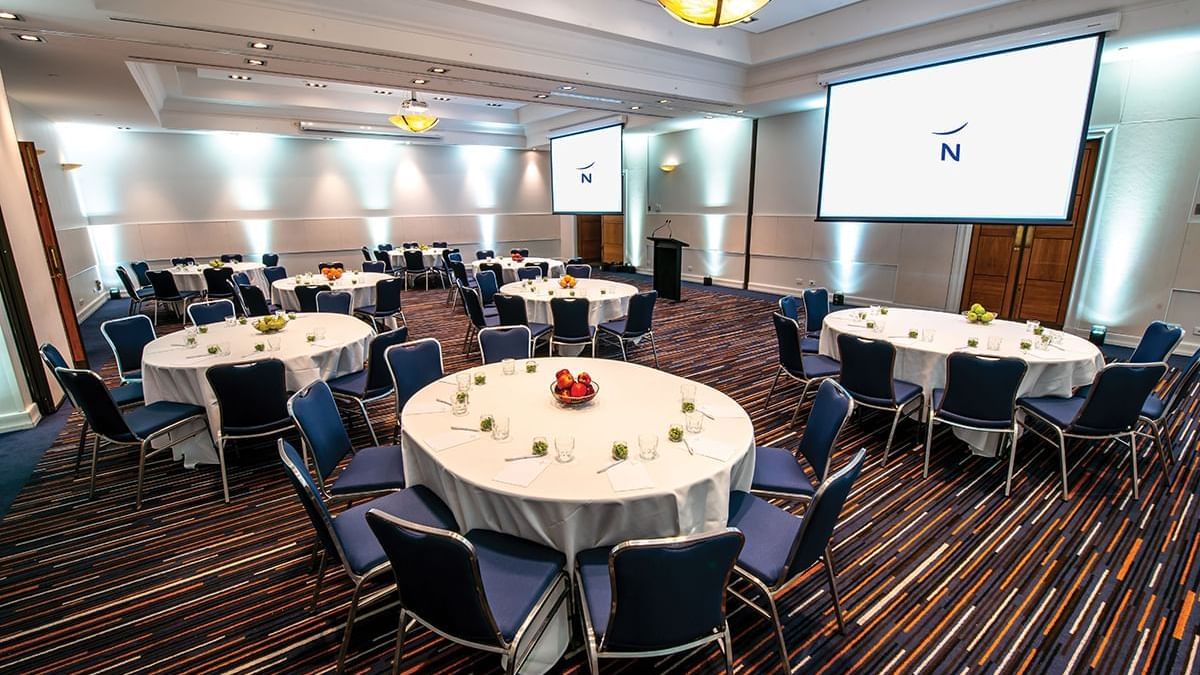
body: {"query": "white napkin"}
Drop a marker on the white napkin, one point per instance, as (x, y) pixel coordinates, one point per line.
(522, 473)
(448, 439)
(711, 448)
(628, 476)
(719, 410)
(425, 408)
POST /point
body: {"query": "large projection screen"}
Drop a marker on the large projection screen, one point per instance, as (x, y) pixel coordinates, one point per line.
(987, 139)
(586, 172)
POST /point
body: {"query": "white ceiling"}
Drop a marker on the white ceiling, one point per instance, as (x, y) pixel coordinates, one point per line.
(165, 64)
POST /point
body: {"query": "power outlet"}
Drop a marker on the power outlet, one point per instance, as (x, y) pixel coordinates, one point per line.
(799, 282)
(1196, 330)
(689, 268)
(812, 282)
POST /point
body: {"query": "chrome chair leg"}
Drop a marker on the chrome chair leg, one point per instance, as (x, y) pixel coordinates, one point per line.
(82, 444)
(95, 458)
(1012, 460)
(887, 449)
(141, 474)
(341, 662)
(321, 565)
(367, 418)
(771, 392)
(399, 643)
(654, 350)
(778, 625)
(221, 461)
(726, 645)
(928, 442)
(800, 403)
(833, 590)
(1133, 461)
(1062, 451)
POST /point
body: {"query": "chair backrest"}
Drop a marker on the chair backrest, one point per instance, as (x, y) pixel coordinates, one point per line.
(128, 336)
(382, 256)
(524, 252)
(414, 260)
(488, 285)
(438, 244)
(816, 308)
(315, 413)
(511, 309)
(830, 410)
(867, 367)
(1157, 343)
(374, 266)
(787, 336)
(495, 268)
(529, 272)
(412, 366)
(217, 280)
(669, 592)
(504, 342)
(270, 259)
(387, 295)
(789, 306)
(379, 378)
(127, 282)
(204, 313)
(236, 286)
(437, 578)
(87, 391)
(164, 284)
(641, 314)
(336, 264)
(53, 359)
(1115, 399)
(821, 516)
(544, 267)
(473, 304)
(227, 257)
(140, 267)
(484, 254)
(412, 244)
(241, 278)
(254, 301)
(310, 497)
(366, 254)
(386, 247)
(186, 260)
(575, 261)
(250, 395)
(982, 387)
(1181, 384)
(579, 271)
(334, 302)
(275, 273)
(570, 317)
(306, 295)
(459, 268)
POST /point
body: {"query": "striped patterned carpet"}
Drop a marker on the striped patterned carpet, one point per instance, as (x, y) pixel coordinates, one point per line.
(937, 575)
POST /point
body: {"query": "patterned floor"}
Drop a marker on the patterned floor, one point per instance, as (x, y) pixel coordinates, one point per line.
(937, 575)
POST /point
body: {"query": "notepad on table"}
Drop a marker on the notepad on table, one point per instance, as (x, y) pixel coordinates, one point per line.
(628, 476)
(449, 439)
(523, 473)
(729, 410)
(711, 448)
(425, 408)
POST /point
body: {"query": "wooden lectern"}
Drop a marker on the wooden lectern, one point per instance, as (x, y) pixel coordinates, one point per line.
(668, 265)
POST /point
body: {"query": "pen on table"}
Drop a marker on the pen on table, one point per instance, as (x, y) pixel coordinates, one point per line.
(444, 402)
(610, 466)
(463, 429)
(517, 459)
(703, 412)
(689, 447)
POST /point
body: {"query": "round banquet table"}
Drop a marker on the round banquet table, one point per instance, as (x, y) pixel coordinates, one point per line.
(557, 267)
(1053, 371)
(607, 300)
(172, 372)
(360, 285)
(432, 257)
(572, 507)
(191, 277)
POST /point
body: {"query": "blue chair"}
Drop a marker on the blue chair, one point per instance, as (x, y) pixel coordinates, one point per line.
(1157, 410)
(270, 259)
(524, 252)
(128, 337)
(346, 538)
(306, 295)
(789, 306)
(505, 342)
(239, 302)
(337, 264)
(366, 254)
(274, 273)
(780, 547)
(334, 302)
(166, 291)
(185, 260)
(511, 311)
(129, 395)
(475, 312)
(216, 311)
(980, 395)
(484, 254)
(374, 381)
(414, 267)
(252, 400)
(137, 296)
(254, 303)
(529, 273)
(140, 267)
(374, 266)
(483, 589)
(217, 281)
(579, 271)
(458, 272)
(571, 326)
(653, 597)
(1111, 409)
(488, 286)
(385, 258)
(778, 474)
(867, 367)
(241, 279)
(387, 303)
(1158, 342)
(370, 470)
(635, 326)
(412, 365)
(140, 427)
(816, 308)
(231, 257)
(808, 369)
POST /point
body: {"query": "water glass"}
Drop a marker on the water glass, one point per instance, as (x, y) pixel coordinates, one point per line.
(874, 310)
(694, 422)
(564, 448)
(994, 342)
(224, 347)
(500, 427)
(273, 343)
(463, 381)
(531, 366)
(509, 366)
(230, 321)
(687, 397)
(320, 334)
(460, 405)
(928, 334)
(647, 446)
(1031, 326)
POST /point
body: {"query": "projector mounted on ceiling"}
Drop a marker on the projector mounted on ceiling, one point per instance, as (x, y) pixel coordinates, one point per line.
(337, 130)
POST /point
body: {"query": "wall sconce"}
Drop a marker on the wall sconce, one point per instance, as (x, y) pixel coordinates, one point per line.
(70, 166)
(668, 167)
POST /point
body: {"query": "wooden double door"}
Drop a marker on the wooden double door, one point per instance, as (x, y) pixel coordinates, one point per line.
(1024, 272)
(600, 238)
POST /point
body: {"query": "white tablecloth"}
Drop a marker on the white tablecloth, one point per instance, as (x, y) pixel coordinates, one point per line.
(361, 285)
(607, 300)
(432, 256)
(191, 277)
(557, 267)
(171, 372)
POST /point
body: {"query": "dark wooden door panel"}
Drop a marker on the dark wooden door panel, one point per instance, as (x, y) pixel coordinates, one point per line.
(988, 291)
(1048, 259)
(1040, 301)
(587, 237)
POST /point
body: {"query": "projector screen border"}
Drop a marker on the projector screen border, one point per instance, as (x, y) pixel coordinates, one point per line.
(624, 173)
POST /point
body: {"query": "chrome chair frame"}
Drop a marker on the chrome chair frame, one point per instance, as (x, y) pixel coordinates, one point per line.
(1158, 429)
(116, 355)
(479, 339)
(828, 460)
(225, 438)
(808, 383)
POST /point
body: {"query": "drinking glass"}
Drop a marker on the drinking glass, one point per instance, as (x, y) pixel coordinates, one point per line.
(687, 397)
(509, 366)
(647, 446)
(320, 334)
(564, 447)
(224, 347)
(273, 343)
(531, 366)
(1032, 325)
(694, 422)
(994, 342)
(874, 310)
(928, 334)
(500, 427)
(230, 321)
(463, 381)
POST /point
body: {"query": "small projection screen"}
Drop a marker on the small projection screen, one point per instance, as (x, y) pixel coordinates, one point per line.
(586, 172)
(995, 138)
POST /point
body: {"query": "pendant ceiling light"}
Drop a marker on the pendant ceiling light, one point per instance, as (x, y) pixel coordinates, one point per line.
(712, 13)
(414, 116)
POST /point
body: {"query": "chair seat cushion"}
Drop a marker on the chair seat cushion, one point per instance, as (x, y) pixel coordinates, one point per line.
(370, 310)
(1154, 408)
(769, 533)
(776, 470)
(515, 573)
(282, 424)
(156, 416)
(617, 327)
(189, 294)
(537, 330)
(370, 470)
(417, 504)
(144, 293)
(955, 418)
(810, 345)
(491, 310)
(905, 392)
(576, 340)
(592, 568)
(1055, 409)
(816, 365)
(127, 394)
(355, 385)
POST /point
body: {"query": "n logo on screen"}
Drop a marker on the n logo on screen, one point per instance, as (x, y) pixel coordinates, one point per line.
(947, 152)
(585, 176)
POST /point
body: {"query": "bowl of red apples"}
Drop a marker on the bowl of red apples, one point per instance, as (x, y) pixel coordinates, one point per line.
(573, 390)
